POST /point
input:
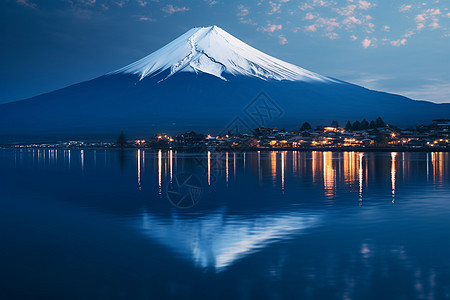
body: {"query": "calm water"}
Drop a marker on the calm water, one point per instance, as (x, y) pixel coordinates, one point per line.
(85, 224)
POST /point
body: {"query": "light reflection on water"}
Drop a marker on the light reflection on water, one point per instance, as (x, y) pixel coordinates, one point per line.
(330, 224)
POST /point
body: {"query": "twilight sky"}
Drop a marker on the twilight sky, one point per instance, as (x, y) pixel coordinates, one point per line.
(396, 46)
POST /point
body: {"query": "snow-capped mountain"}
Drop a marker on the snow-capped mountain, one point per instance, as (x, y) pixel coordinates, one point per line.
(212, 50)
(204, 81)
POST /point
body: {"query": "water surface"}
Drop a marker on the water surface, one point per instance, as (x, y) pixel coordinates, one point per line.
(141, 224)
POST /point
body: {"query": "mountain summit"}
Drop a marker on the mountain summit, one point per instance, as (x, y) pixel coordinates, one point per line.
(202, 81)
(214, 51)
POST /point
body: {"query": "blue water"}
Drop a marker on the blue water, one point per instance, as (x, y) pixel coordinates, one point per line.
(135, 224)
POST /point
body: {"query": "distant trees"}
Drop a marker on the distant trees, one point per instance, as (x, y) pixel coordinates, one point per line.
(355, 126)
(305, 126)
(364, 124)
(335, 124)
(380, 123)
(121, 140)
(348, 126)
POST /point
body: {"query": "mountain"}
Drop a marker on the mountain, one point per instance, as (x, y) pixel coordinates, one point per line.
(211, 50)
(205, 80)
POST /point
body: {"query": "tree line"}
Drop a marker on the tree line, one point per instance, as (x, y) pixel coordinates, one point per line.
(355, 126)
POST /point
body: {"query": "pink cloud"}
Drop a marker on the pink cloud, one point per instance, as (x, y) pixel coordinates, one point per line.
(283, 39)
(275, 7)
(311, 28)
(242, 10)
(365, 4)
(366, 43)
(170, 9)
(332, 35)
(271, 28)
(399, 43)
(352, 19)
(309, 16)
(405, 7)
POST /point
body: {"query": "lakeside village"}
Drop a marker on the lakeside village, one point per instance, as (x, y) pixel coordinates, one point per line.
(359, 135)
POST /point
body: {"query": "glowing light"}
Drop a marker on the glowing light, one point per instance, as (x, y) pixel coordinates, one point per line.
(139, 168)
(273, 160)
(171, 164)
(160, 171)
(209, 167)
(259, 168)
(82, 160)
(393, 174)
(282, 171)
(360, 172)
(226, 166)
(329, 174)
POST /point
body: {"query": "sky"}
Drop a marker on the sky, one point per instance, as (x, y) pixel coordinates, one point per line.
(395, 46)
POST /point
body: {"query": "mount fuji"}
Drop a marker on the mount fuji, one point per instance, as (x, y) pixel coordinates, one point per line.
(202, 81)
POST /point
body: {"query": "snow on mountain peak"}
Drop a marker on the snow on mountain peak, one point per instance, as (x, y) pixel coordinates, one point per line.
(213, 51)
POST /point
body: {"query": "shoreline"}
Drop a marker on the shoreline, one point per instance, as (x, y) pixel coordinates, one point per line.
(290, 149)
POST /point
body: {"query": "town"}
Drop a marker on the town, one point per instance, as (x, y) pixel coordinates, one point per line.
(359, 135)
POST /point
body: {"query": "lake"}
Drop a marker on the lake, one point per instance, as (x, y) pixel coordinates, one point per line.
(145, 224)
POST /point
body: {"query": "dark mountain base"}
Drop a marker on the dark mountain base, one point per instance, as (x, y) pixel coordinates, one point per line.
(185, 101)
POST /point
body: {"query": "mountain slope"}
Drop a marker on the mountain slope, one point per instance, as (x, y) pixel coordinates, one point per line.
(181, 87)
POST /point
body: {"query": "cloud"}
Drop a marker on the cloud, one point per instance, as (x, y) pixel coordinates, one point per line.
(352, 20)
(311, 28)
(142, 3)
(399, 43)
(328, 23)
(242, 11)
(247, 21)
(283, 39)
(305, 6)
(429, 16)
(274, 7)
(144, 18)
(405, 8)
(120, 3)
(436, 91)
(365, 4)
(409, 34)
(26, 3)
(211, 2)
(366, 43)
(87, 2)
(309, 16)
(271, 28)
(170, 9)
(332, 35)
